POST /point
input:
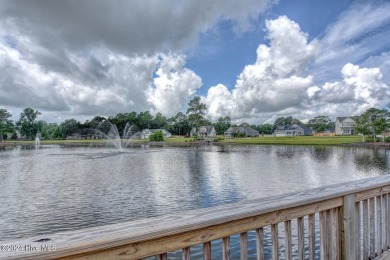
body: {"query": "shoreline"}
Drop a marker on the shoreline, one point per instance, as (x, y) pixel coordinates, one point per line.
(196, 143)
(370, 145)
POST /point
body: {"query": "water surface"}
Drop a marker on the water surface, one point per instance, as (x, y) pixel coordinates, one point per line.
(57, 188)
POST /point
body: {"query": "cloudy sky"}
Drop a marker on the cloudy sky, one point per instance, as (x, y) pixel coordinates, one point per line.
(252, 60)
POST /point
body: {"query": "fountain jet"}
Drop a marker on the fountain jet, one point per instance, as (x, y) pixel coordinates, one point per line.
(111, 134)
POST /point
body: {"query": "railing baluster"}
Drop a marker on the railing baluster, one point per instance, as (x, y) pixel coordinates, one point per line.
(366, 249)
(312, 238)
(341, 230)
(287, 239)
(185, 253)
(387, 224)
(323, 235)
(388, 221)
(334, 234)
(359, 228)
(162, 256)
(275, 243)
(384, 223)
(350, 227)
(244, 246)
(207, 251)
(328, 234)
(301, 239)
(226, 248)
(379, 224)
(371, 203)
(260, 243)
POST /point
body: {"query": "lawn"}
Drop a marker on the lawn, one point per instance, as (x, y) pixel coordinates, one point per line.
(297, 140)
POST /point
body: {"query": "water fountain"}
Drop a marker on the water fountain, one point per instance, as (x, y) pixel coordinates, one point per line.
(37, 140)
(110, 132)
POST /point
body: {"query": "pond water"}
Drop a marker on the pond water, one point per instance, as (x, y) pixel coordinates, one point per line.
(56, 188)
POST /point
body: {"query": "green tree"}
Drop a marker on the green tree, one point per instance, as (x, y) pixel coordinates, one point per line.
(159, 121)
(373, 121)
(363, 125)
(282, 121)
(157, 137)
(144, 120)
(266, 129)
(94, 122)
(27, 123)
(6, 125)
(51, 131)
(178, 125)
(120, 120)
(222, 125)
(196, 112)
(380, 125)
(70, 126)
(320, 123)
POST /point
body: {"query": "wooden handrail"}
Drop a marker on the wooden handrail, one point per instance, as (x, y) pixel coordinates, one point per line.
(158, 235)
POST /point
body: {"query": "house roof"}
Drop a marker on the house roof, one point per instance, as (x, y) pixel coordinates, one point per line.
(293, 127)
(281, 127)
(342, 118)
(250, 130)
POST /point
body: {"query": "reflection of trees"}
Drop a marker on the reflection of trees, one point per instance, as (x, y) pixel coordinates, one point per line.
(371, 159)
(289, 152)
(321, 154)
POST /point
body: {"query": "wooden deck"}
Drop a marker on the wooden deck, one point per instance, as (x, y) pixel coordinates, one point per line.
(350, 221)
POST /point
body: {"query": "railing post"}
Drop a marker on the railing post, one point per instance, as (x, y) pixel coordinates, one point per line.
(350, 228)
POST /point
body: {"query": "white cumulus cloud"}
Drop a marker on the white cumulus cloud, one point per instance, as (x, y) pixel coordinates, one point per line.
(360, 89)
(278, 81)
(172, 85)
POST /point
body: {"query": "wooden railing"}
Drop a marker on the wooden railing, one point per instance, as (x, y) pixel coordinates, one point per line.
(343, 221)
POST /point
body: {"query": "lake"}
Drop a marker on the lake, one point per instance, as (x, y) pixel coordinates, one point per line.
(56, 188)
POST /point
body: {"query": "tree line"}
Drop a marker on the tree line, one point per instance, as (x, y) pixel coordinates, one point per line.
(181, 124)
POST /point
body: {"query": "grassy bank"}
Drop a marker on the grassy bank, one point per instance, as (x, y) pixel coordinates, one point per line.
(297, 140)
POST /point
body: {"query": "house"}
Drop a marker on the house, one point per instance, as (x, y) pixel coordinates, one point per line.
(293, 130)
(345, 125)
(245, 131)
(206, 133)
(148, 132)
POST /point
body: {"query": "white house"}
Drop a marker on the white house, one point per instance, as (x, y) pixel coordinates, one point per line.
(293, 130)
(148, 132)
(345, 125)
(206, 133)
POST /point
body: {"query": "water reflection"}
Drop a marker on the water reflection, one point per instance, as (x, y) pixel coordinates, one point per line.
(366, 160)
(65, 188)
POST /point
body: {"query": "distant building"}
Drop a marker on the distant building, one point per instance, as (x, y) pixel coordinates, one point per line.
(345, 125)
(148, 132)
(293, 130)
(241, 130)
(206, 133)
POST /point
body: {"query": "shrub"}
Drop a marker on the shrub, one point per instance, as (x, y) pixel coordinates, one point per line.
(157, 137)
(371, 139)
(387, 139)
(218, 139)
